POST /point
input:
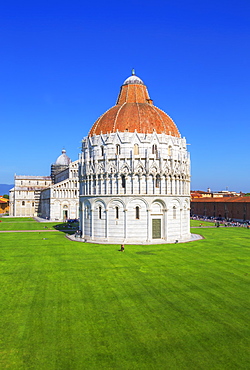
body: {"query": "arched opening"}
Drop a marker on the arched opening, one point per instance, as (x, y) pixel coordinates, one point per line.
(118, 149)
(123, 181)
(174, 212)
(116, 212)
(157, 181)
(136, 149)
(154, 149)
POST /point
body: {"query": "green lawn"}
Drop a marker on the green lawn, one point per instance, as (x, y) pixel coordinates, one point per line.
(196, 223)
(70, 305)
(27, 223)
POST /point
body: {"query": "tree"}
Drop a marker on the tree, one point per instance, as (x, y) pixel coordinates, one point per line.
(6, 196)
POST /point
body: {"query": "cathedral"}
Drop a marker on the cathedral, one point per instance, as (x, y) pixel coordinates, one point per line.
(54, 197)
(134, 174)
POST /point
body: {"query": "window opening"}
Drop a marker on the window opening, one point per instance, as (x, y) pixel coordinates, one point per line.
(174, 213)
(123, 181)
(136, 149)
(137, 212)
(102, 151)
(154, 149)
(118, 149)
(116, 212)
(100, 212)
(157, 181)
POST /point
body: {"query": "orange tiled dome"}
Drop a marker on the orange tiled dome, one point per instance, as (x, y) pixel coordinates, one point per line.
(134, 110)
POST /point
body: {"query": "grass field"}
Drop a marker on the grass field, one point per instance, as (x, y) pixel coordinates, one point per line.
(197, 223)
(71, 305)
(22, 223)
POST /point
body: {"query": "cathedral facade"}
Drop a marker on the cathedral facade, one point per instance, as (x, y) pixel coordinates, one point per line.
(134, 173)
(54, 197)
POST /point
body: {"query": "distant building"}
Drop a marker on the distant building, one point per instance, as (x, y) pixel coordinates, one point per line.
(216, 194)
(25, 196)
(237, 208)
(200, 194)
(53, 197)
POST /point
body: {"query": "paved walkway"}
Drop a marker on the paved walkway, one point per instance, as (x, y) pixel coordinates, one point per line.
(193, 238)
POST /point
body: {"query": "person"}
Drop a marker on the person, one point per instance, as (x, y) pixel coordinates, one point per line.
(122, 248)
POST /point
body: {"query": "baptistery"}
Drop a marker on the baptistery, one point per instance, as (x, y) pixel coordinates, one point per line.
(134, 173)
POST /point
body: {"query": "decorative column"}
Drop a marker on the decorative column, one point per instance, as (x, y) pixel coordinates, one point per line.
(132, 186)
(118, 183)
(125, 223)
(149, 224)
(105, 180)
(139, 184)
(181, 215)
(101, 184)
(106, 225)
(92, 223)
(165, 210)
(82, 215)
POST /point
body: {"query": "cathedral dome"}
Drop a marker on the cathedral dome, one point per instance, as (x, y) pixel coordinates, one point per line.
(63, 159)
(134, 111)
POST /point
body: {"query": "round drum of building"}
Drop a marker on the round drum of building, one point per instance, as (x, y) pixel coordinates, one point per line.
(134, 173)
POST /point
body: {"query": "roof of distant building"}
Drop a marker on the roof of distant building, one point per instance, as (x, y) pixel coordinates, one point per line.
(222, 199)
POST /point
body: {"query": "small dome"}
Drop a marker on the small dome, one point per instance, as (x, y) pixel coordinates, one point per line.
(63, 159)
(133, 80)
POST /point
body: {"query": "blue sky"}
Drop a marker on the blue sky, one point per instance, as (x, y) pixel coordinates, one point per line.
(63, 62)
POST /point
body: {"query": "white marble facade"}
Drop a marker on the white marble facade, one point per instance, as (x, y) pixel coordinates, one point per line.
(54, 197)
(134, 188)
(61, 200)
(25, 195)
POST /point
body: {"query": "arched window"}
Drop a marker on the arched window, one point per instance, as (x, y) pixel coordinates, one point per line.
(136, 149)
(118, 149)
(123, 181)
(169, 150)
(174, 212)
(100, 212)
(154, 149)
(102, 151)
(117, 212)
(23, 203)
(157, 181)
(137, 212)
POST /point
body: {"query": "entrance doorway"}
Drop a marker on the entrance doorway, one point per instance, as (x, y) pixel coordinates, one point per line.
(65, 214)
(156, 228)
